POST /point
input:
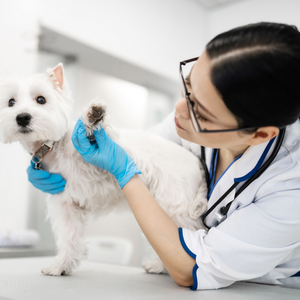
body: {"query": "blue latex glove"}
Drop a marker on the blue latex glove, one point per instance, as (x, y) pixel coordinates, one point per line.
(104, 154)
(44, 181)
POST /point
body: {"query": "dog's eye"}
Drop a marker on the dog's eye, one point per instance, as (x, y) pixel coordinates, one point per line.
(41, 100)
(11, 102)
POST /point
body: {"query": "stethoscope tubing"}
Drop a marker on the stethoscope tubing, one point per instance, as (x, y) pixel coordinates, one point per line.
(226, 208)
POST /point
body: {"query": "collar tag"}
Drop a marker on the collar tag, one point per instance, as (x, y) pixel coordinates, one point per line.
(45, 148)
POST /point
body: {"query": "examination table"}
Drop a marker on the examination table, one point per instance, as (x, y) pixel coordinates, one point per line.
(21, 278)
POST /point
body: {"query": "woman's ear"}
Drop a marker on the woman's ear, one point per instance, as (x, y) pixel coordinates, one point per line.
(56, 75)
(263, 134)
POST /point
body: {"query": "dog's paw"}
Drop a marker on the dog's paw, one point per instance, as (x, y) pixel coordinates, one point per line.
(95, 114)
(57, 269)
(155, 267)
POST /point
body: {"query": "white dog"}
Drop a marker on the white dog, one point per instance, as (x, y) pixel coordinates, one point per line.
(37, 109)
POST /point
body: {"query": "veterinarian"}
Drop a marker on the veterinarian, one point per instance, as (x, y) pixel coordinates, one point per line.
(239, 113)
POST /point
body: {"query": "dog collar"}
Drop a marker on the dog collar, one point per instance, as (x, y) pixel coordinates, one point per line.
(38, 155)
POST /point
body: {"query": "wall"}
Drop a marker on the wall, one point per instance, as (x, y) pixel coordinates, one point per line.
(252, 11)
(18, 55)
(152, 34)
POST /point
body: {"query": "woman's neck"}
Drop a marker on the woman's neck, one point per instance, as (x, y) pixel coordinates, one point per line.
(229, 154)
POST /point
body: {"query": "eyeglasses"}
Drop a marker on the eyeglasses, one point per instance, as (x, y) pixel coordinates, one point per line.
(193, 118)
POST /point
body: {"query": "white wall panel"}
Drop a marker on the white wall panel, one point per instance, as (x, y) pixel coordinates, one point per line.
(252, 11)
(154, 34)
(18, 56)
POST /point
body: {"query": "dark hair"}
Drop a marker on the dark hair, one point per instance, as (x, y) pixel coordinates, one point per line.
(256, 70)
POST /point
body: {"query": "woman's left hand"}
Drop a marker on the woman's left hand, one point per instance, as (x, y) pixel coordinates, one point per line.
(104, 154)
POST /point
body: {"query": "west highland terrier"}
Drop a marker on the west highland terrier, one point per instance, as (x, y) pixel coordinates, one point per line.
(37, 110)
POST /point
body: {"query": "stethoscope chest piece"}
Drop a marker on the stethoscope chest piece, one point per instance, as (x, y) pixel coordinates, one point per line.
(219, 217)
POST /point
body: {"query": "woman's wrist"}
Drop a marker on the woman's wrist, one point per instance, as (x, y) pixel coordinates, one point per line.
(130, 171)
(131, 181)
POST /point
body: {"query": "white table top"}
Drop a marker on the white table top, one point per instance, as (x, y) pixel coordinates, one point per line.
(21, 278)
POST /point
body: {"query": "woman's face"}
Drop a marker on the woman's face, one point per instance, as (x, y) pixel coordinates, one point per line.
(211, 112)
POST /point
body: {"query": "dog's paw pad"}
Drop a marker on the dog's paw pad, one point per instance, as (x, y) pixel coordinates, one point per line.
(96, 114)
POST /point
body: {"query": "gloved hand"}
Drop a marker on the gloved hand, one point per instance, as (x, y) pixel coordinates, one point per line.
(104, 154)
(44, 181)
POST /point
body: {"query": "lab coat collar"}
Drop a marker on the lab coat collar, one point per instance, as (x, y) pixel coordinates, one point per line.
(239, 170)
(248, 163)
(254, 156)
(252, 160)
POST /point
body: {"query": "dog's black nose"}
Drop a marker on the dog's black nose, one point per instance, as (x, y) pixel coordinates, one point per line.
(23, 119)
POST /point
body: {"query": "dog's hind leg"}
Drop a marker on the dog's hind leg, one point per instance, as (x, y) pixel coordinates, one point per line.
(68, 221)
(155, 266)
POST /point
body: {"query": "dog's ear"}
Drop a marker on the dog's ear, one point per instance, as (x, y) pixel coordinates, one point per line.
(56, 75)
(59, 74)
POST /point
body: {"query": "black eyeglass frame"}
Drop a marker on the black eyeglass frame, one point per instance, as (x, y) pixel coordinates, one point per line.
(193, 118)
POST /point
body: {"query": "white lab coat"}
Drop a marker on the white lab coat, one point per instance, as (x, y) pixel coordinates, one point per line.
(260, 239)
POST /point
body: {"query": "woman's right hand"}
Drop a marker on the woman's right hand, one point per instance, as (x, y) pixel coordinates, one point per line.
(104, 154)
(44, 181)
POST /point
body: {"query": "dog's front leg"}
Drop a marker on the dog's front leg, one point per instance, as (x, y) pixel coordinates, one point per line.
(68, 221)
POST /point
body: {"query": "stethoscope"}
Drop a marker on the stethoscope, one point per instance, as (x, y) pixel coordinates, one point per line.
(221, 214)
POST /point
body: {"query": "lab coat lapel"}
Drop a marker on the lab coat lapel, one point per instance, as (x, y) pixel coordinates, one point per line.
(238, 171)
(224, 183)
(252, 160)
(208, 154)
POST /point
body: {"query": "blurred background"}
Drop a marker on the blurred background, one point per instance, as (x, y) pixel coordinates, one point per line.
(127, 52)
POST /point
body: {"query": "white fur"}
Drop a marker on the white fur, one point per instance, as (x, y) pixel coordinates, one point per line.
(173, 175)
